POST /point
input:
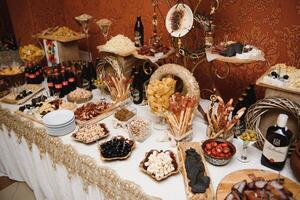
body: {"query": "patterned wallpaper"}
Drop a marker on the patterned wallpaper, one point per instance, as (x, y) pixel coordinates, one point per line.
(272, 25)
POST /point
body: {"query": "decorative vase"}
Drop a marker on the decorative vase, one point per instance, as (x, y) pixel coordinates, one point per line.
(295, 161)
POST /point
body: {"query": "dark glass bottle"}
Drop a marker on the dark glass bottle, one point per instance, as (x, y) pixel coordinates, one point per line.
(57, 82)
(84, 75)
(136, 87)
(32, 75)
(139, 32)
(240, 126)
(65, 84)
(71, 79)
(277, 142)
(251, 93)
(50, 83)
(27, 79)
(92, 75)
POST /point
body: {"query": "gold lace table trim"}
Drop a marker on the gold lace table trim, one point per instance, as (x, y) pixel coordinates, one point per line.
(106, 179)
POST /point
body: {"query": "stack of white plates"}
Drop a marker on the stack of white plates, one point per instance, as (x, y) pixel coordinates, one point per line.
(59, 122)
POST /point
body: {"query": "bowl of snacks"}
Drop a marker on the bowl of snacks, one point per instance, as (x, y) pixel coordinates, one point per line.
(159, 165)
(218, 152)
(118, 148)
(123, 115)
(139, 129)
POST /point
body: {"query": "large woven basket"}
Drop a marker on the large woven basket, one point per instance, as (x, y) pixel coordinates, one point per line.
(260, 108)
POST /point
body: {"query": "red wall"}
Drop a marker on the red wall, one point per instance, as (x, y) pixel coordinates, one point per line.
(272, 25)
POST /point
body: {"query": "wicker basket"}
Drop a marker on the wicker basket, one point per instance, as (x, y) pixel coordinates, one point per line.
(256, 111)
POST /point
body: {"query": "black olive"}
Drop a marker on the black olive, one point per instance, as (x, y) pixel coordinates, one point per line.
(275, 74)
(28, 106)
(21, 108)
(286, 77)
(18, 97)
(29, 92)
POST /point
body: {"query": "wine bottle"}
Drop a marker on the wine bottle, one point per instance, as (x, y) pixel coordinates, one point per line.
(139, 32)
(136, 87)
(277, 142)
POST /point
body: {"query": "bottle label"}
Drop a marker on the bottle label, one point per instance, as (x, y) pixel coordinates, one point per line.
(65, 83)
(50, 84)
(71, 80)
(135, 95)
(32, 76)
(138, 39)
(274, 154)
(58, 86)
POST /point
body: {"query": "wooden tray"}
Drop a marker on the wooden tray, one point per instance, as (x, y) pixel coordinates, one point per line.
(260, 82)
(175, 164)
(182, 147)
(69, 39)
(224, 187)
(21, 101)
(30, 117)
(102, 116)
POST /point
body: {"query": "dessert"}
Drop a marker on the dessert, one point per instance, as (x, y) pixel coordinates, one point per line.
(118, 148)
(159, 92)
(124, 114)
(159, 165)
(91, 110)
(91, 133)
(195, 172)
(80, 95)
(139, 129)
(31, 53)
(259, 188)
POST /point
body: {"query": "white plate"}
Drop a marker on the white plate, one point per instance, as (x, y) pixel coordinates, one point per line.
(62, 132)
(58, 117)
(61, 125)
(186, 22)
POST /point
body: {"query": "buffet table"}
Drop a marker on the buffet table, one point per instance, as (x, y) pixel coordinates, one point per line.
(61, 168)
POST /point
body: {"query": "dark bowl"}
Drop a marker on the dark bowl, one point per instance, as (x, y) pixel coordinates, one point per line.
(216, 160)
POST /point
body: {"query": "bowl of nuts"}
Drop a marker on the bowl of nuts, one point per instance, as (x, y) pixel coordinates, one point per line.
(139, 129)
(218, 152)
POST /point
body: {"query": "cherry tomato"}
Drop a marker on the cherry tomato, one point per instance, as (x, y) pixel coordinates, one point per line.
(208, 152)
(214, 144)
(208, 146)
(224, 145)
(218, 149)
(226, 150)
(222, 155)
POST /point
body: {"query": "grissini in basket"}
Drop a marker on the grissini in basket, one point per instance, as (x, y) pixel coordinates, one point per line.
(219, 121)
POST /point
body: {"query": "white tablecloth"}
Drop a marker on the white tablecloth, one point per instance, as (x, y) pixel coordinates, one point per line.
(19, 163)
